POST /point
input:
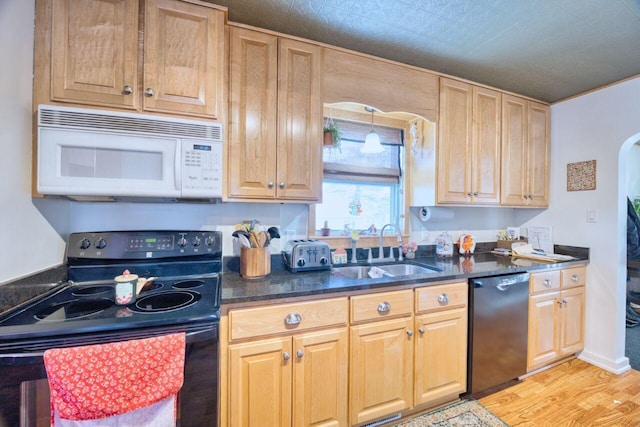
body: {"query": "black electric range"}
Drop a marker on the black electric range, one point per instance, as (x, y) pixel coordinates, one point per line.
(187, 265)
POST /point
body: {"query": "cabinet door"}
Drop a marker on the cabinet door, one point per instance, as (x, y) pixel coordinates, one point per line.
(454, 142)
(572, 321)
(253, 100)
(320, 393)
(538, 154)
(94, 52)
(487, 107)
(514, 151)
(260, 383)
(381, 367)
(299, 161)
(440, 355)
(543, 329)
(183, 58)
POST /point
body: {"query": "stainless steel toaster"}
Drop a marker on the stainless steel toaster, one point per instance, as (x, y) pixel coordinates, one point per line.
(306, 255)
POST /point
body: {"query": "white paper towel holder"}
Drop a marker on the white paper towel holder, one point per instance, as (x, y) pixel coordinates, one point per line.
(425, 214)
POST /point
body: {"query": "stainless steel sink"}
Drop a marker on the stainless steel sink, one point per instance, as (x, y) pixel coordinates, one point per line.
(391, 270)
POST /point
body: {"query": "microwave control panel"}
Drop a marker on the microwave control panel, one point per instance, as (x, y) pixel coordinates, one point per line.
(201, 169)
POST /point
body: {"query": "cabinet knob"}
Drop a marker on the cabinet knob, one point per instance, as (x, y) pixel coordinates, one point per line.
(293, 319)
(409, 333)
(475, 194)
(421, 330)
(547, 283)
(270, 184)
(127, 90)
(469, 194)
(384, 307)
(574, 277)
(286, 355)
(300, 353)
(282, 185)
(148, 92)
(443, 299)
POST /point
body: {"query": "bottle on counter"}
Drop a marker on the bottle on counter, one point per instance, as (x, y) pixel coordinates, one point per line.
(444, 245)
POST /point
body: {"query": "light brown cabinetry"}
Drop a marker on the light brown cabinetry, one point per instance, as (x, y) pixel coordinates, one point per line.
(556, 315)
(525, 152)
(441, 342)
(275, 149)
(298, 378)
(381, 361)
(468, 144)
(89, 52)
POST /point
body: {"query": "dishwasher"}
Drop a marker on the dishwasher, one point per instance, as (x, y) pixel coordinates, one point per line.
(498, 325)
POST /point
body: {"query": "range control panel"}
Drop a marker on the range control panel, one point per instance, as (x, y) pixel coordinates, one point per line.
(143, 244)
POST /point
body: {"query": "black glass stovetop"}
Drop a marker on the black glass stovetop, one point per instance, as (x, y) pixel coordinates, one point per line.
(90, 307)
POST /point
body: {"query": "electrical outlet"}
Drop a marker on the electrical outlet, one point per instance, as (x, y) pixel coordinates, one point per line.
(592, 215)
(425, 235)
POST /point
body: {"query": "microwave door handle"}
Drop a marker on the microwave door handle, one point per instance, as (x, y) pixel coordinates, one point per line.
(177, 170)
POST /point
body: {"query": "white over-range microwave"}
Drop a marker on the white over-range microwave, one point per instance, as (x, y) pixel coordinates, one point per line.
(88, 153)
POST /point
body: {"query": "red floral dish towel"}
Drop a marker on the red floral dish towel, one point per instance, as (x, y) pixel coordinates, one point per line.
(139, 378)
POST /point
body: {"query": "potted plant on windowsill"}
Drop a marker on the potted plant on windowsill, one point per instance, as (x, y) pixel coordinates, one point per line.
(332, 134)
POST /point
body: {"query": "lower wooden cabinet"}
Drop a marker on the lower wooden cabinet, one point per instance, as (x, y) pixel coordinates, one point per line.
(440, 355)
(556, 316)
(381, 369)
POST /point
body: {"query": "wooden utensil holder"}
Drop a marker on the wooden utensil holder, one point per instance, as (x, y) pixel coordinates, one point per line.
(255, 263)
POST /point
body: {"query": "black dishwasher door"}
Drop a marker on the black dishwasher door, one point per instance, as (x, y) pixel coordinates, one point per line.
(498, 327)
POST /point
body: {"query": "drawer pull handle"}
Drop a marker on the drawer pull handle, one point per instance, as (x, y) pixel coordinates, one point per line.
(286, 355)
(547, 283)
(300, 353)
(443, 299)
(292, 319)
(384, 307)
(149, 92)
(409, 333)
(421, 330)
(127, 90)
(574, 277)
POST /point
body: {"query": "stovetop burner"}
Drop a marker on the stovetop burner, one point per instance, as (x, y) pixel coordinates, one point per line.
(76, 309)
(167, 301)
(82, 291)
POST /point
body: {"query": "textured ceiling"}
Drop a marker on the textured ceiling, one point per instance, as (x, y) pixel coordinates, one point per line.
(546, 49)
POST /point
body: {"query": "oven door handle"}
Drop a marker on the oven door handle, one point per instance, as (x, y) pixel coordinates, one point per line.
(29, 358)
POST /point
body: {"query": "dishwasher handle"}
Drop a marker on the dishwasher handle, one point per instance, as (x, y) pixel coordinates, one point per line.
(502, 283)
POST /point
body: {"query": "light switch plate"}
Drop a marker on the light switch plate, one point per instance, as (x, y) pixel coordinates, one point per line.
(592, 215)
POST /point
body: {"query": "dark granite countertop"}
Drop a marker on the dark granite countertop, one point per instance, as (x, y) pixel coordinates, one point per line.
(18, 292)
(283, 284)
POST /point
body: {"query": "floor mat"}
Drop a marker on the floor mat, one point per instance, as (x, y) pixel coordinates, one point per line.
(464, 413)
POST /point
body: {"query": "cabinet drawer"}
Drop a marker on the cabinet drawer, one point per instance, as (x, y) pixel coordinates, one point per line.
(545, 281)
(441, 296)
(572, 277)
(287, 318)
(381, 305)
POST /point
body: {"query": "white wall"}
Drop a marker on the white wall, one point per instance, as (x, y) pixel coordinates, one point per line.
(596, 126)
(29, 240)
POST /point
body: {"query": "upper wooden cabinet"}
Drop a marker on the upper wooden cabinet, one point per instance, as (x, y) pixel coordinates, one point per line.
(525, 152)
(468, 144)
(91, 52)
(275, 147)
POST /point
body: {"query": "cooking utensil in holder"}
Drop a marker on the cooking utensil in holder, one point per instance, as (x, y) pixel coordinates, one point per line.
(255, 263)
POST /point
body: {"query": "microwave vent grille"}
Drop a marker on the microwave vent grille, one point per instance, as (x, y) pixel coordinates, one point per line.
(127, 123)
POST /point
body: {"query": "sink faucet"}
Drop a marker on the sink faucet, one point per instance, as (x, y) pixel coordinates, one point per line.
(381, 248)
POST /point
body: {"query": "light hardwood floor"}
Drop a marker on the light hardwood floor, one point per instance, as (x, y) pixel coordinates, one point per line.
(574, 393)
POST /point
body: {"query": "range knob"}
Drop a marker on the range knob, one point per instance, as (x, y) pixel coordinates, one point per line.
(209, 240)
(182, 242)
(301, 262)
(101, 243)
(196, 241)
(84, 243)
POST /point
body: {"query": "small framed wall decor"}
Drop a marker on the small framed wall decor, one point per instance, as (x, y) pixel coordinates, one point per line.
(581, 176)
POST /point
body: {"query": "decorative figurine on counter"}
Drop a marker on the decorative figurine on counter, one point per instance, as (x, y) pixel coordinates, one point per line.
(467, 244)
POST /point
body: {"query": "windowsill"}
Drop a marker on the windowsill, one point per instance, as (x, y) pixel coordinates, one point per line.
(365, 241)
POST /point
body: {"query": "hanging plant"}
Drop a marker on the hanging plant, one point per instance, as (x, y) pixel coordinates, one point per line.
(332, 134)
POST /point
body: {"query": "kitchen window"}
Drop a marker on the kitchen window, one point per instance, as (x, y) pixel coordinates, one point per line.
(361, 190)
